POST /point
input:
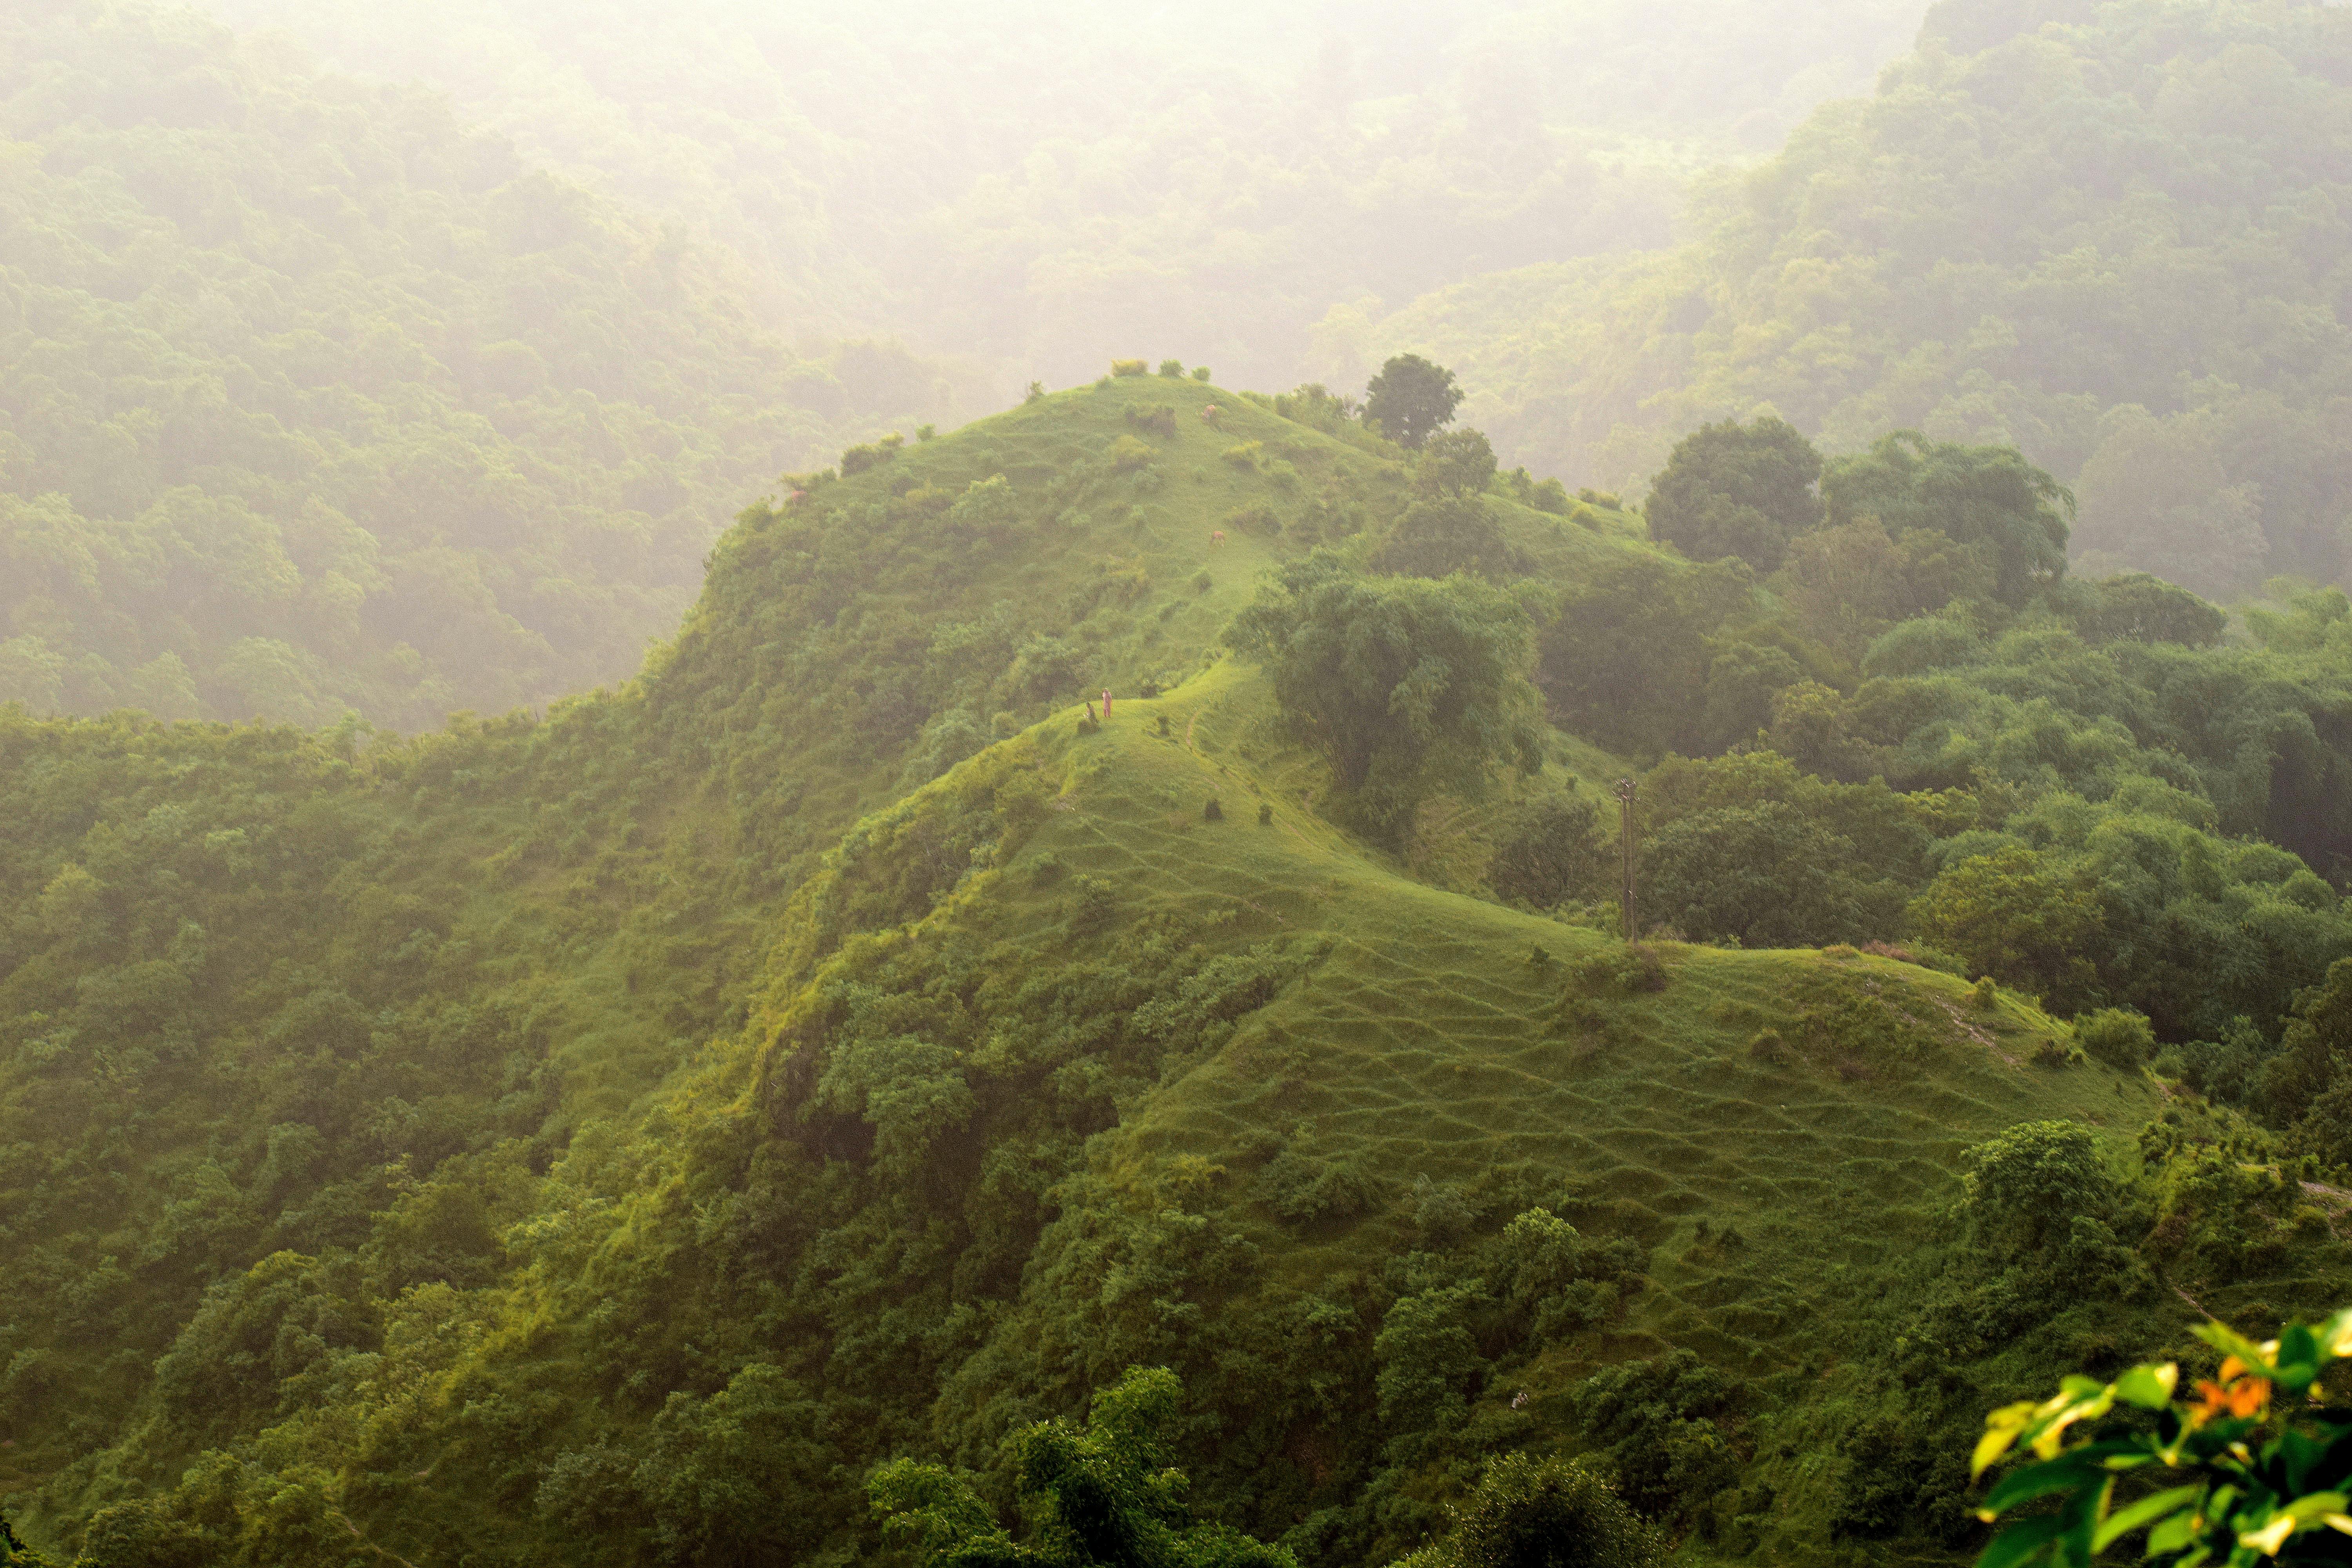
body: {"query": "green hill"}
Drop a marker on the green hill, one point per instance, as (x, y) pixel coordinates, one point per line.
(311, 400)
(605, 1136)
(2106, 233)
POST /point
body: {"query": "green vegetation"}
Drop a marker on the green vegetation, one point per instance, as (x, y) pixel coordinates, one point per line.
(1104, 1496)
(2101, 234)
(1526, 1513)
(1409, 399)
(2264, 1478)
(312, 401)
(1042, 188)
(826, 1062)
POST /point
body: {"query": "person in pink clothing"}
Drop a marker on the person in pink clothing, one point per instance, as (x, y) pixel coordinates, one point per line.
(1106, 701)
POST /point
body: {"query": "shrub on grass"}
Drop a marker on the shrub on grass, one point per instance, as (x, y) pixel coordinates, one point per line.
(1129, 368)
(1214, 811)
(2116, 1036)
(1625, 971)
(1173, 369)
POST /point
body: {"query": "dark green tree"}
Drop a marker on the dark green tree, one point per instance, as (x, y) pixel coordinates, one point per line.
(1989, 499)
(1402, 684)
(1767, 875)
(1441, 535)
(1625, 662)
(1542, 1513)
(1735, 490)
(1456, 463)
(14, 1554)
(1551, 852)
(2026, 1187)
(2135, 606)
(1104, 1497)
(1411, 399)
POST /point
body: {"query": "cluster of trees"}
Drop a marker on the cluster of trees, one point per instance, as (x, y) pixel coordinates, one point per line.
(2108, 236)
(311, 400)
(1880, 711)
(1923, 728)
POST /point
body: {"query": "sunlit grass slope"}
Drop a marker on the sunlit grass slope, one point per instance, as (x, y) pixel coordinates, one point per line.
(1783, 1187)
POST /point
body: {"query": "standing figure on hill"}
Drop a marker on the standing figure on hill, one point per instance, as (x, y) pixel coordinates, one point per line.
(1106, 701)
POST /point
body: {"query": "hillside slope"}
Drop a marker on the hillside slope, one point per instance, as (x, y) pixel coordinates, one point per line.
(2111, 234)
(608, 1134)
(311, 400)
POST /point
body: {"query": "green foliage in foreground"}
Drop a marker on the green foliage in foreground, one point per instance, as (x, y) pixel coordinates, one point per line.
(2254, 1468)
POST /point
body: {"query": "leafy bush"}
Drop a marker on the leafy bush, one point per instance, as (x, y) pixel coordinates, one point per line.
(2116, 1036)
(1104, 1497)
(1657, 1422)
(1549, 1513)
(1306, 1188)
(1129, 368)
(2026, 1187)
(1429, 1361)
(1159, 419)
(2254, 1468)
(1626, 970)
(1173, 369)
(1245, 454)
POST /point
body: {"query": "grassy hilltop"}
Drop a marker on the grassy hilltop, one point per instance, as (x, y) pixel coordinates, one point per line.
(606, 1136)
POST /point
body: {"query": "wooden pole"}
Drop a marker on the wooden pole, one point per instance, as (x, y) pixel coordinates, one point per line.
(1625, 843)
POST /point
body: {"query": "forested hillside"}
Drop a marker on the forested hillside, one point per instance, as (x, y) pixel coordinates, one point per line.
(1045, 184)
(312, 399)
(2115, 235)
(611, 1136)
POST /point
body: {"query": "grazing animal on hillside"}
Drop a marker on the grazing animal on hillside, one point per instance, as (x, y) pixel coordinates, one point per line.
(1212, 414)
(1216, 537)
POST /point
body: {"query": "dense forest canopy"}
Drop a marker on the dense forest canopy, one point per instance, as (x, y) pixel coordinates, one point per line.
(311, 400)
(759, 1113)
(1040, 184)
(2112, 234)
(1091, 1001)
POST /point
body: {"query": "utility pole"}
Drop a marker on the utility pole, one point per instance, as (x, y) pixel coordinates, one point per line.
(1625, 842)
